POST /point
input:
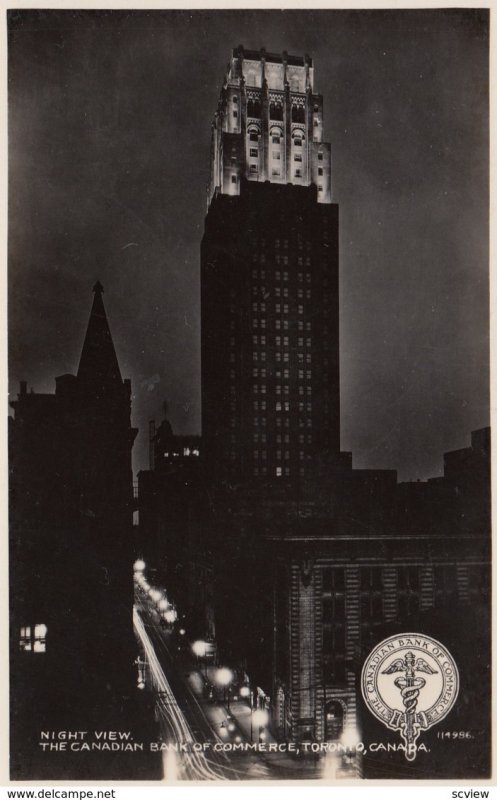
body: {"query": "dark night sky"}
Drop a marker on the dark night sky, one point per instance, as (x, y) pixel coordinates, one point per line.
(109, 131)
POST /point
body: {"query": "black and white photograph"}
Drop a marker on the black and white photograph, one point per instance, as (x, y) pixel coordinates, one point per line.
(249, 395)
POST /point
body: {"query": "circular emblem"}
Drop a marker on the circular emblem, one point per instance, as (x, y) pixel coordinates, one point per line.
(410, 682)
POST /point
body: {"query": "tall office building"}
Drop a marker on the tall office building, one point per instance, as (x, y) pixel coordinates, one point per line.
(269, 276)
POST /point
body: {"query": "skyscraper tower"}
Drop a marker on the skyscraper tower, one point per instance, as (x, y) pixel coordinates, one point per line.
(269, 279)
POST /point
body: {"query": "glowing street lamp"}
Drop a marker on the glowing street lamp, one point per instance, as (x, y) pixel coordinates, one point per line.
(139, 565)
(224, 677)
(164, 604)
(260, 719)
(199, 648)
(170, 615)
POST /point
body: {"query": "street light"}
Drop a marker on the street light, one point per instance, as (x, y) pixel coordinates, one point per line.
(259, 718)
(199, 648)
(139, 565)
(224, 676)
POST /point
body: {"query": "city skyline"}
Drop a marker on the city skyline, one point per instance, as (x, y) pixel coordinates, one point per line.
(107, 190)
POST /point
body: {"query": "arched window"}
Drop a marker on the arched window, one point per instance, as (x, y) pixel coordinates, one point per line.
(253, 134)
(276, 111)
(333, 720)
(253, 108)
(298, 114)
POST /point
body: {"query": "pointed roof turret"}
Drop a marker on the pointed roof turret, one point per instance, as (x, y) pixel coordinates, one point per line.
(98, 367)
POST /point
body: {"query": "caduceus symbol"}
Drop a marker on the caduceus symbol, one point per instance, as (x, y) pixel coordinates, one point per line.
(409, 686)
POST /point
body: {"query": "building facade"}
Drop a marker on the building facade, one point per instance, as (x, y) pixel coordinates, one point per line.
(269, 279)
(338, 593)
(72, 649)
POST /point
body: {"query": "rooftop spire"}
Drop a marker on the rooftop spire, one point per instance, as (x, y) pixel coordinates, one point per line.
(98, 367)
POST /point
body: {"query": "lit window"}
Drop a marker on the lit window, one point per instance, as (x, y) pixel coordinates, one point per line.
(300, 309)
(278, 472)
(33, 638)
(277, 324)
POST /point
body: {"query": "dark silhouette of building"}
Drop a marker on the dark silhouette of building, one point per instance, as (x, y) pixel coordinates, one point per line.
(71, 558)
(172, 508)
(269, 280)
(321, 556)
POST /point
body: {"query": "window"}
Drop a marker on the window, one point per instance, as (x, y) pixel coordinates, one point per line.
(297, 142)
(235, 99)
(235, 113)
(320, 156)
(276, 155)
(320, 170)
(275, 173)
(253, 152)
(298, 173)
(233, 179)
(253, 168)
(253, 136)
(297, 157)
(278, 472)
(32, 638)
(320, 188)
(275, 139)
(253, 108)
